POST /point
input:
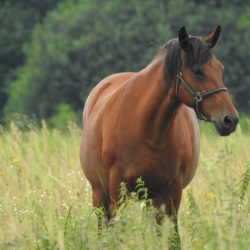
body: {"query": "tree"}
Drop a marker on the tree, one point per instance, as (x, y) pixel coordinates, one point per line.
(77, 46)
(17, 19)
(83, 41)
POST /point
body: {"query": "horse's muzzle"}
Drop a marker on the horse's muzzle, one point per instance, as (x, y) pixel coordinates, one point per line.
(226, 125)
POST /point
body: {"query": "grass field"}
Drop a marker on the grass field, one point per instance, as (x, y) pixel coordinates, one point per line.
(45, 201)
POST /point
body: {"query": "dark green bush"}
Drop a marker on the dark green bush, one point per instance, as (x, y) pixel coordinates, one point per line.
(83, 41)
(17, 19)
(64, 116)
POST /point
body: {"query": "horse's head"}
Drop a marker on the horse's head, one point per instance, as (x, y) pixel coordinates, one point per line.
(200, 82)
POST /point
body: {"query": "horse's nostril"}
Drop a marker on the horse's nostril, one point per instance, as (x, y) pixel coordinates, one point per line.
(230, 122)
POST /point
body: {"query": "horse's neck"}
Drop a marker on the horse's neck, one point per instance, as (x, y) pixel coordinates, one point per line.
(157, 104)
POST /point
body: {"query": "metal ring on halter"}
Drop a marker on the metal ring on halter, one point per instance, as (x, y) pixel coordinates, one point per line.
(198, 97)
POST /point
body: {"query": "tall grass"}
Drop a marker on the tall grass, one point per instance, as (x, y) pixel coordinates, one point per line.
(45, 201)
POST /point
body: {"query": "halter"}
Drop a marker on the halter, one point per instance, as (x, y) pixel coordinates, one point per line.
(198, 96)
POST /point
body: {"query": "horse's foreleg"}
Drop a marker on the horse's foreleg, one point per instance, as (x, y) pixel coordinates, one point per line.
(170, 202)
(114, 188)
(173, 200)
(100, 200)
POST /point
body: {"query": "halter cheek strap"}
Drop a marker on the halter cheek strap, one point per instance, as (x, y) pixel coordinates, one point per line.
(198, 96)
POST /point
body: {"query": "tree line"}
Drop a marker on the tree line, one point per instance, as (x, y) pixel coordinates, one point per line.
(53, 52)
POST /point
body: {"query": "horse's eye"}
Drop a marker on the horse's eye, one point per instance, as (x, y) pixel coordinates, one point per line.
(197, 72)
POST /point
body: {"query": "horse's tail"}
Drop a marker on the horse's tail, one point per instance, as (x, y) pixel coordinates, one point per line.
(84, 112)
(85, 109)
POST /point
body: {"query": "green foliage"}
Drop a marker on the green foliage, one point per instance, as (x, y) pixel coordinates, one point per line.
(64, 116)
(46, 202)
(244, 184)
(17, 19)
(244, 123)
(81, 42)
(77, 46)
(23, 122)
(141, 190)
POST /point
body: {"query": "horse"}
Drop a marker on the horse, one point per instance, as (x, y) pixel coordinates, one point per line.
(144, 124)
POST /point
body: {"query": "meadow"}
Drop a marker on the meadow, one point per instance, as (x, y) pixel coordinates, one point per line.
(45, 201)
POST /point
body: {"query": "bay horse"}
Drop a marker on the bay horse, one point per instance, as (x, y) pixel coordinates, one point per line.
(144, 124)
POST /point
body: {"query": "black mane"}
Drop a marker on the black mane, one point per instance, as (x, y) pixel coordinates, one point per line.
(197, 55)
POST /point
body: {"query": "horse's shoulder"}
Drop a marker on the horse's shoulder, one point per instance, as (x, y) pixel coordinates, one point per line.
(188, 120)
(188, 113)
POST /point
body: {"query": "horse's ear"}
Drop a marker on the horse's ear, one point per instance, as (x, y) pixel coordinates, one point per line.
(212, 39)
(183, 39)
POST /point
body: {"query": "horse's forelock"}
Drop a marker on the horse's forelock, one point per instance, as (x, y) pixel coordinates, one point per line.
(198, 55)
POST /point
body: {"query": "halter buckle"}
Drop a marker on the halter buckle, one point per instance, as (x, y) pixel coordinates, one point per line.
(198, 97)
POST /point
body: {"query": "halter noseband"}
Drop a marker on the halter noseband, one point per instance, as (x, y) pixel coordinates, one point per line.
(198, 96)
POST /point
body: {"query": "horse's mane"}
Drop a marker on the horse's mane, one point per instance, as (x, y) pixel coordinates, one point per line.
(197, 55)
